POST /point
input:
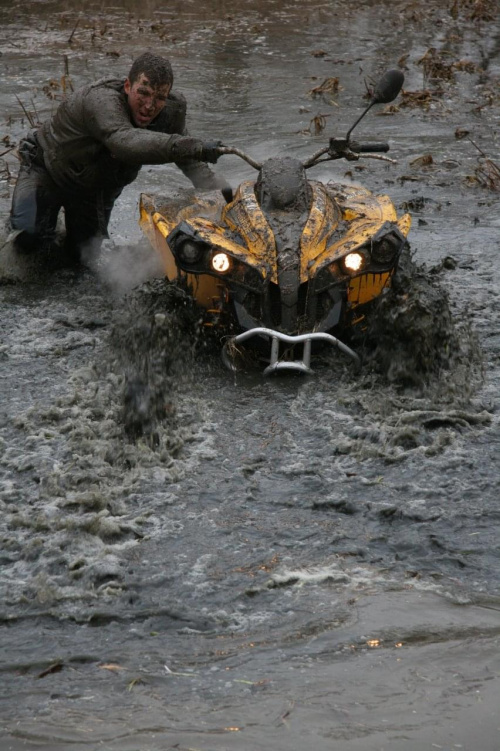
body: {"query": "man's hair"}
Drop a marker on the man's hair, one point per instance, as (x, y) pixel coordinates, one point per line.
(157, 69)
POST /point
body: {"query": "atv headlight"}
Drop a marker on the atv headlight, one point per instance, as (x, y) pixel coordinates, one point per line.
(221, 262)
(384, 251)
(190, 252)
(353, 262)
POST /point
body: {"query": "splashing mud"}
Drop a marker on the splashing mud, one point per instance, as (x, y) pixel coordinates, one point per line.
(70, 490)
(415, 339)
(153, 342)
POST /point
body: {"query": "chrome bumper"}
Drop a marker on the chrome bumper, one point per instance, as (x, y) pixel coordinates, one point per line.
(277, 338)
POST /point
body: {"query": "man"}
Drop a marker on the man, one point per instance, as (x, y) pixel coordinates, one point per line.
(94, 145)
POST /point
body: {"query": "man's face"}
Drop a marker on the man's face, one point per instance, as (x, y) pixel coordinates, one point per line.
(145, 101)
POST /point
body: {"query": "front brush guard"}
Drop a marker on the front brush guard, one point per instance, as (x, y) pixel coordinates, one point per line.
(277, 337)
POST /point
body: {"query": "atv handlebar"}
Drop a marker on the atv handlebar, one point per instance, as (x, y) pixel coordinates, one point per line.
(241, 154)
(338, 148)
(367, 148)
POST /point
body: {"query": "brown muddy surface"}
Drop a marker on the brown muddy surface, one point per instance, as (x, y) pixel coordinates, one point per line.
(279, 564)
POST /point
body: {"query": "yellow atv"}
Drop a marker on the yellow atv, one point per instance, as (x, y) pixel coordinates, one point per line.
(289, 261)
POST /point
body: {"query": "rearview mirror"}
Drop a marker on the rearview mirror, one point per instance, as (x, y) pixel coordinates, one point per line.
(386, 91)
(388, 87)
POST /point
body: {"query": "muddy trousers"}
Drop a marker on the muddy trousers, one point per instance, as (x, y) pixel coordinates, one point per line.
(36, 204)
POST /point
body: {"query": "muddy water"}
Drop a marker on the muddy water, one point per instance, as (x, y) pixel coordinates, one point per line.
(279, 564)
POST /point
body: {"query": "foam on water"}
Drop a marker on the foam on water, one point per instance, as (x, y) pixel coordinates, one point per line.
(96, 492)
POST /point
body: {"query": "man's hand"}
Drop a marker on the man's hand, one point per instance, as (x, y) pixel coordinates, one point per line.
(194, 148)
(211, 151)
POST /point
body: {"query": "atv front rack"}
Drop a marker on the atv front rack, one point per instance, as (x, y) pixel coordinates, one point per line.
(277, 337)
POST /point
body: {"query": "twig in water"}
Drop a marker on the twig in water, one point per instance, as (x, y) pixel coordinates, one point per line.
(74, 29)
(29, 116)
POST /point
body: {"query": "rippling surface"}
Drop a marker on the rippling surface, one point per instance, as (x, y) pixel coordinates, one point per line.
(196, 560)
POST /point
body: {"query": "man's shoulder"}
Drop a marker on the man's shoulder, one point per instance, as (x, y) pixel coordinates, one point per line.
(104, 96)
(172, 118)
(114, 84)
(104, 90)
(176, 101)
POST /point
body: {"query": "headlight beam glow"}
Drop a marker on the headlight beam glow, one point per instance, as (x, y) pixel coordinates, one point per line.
(221, 262)
(353, 261)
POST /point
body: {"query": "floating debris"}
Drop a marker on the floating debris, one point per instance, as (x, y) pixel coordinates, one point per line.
(434, 66)
(329, 86)
(422, 98)
(477, 10)
(487, 173)
(466, 66)
(56, 667)
(316, 125)
(422, 161)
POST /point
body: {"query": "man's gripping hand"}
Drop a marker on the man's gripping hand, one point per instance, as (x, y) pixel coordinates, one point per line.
(187, 147)
(211, 151)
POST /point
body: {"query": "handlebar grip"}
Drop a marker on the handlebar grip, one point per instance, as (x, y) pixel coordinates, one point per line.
(365, 148)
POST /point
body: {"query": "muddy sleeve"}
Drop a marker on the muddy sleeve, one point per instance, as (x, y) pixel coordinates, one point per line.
(201, 175)
(108, 121)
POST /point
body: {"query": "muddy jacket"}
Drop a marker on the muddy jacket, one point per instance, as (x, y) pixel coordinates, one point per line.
(91, 142)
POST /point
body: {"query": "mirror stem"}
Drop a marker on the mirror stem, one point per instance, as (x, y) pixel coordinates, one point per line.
(359, 120)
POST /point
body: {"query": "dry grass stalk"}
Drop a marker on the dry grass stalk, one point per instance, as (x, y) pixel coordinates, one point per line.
(31, 117)
(66, 83)
(487, 174)
(476, 10)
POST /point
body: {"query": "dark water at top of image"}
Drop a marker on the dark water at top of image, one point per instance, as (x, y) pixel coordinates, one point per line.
(289, 563)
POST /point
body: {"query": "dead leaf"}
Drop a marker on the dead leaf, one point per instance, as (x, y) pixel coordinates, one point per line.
(402, 61)
(135, 682)
(423, 161)
(55, 668)
(329, 86)
(480, 10)
(422, 98)
(434, 66)
(319, 124)
(390, 109)
(465, 66)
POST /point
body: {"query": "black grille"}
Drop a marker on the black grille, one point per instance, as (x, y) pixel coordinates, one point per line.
(274, 304)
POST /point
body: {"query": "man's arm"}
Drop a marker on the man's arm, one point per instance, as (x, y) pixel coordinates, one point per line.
(172, 119)
(108, 121)
(201, 175)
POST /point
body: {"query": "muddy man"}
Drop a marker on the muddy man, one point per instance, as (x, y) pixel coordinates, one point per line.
(93, 146)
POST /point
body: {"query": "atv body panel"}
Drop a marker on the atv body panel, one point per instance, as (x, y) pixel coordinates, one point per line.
(278, 258)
